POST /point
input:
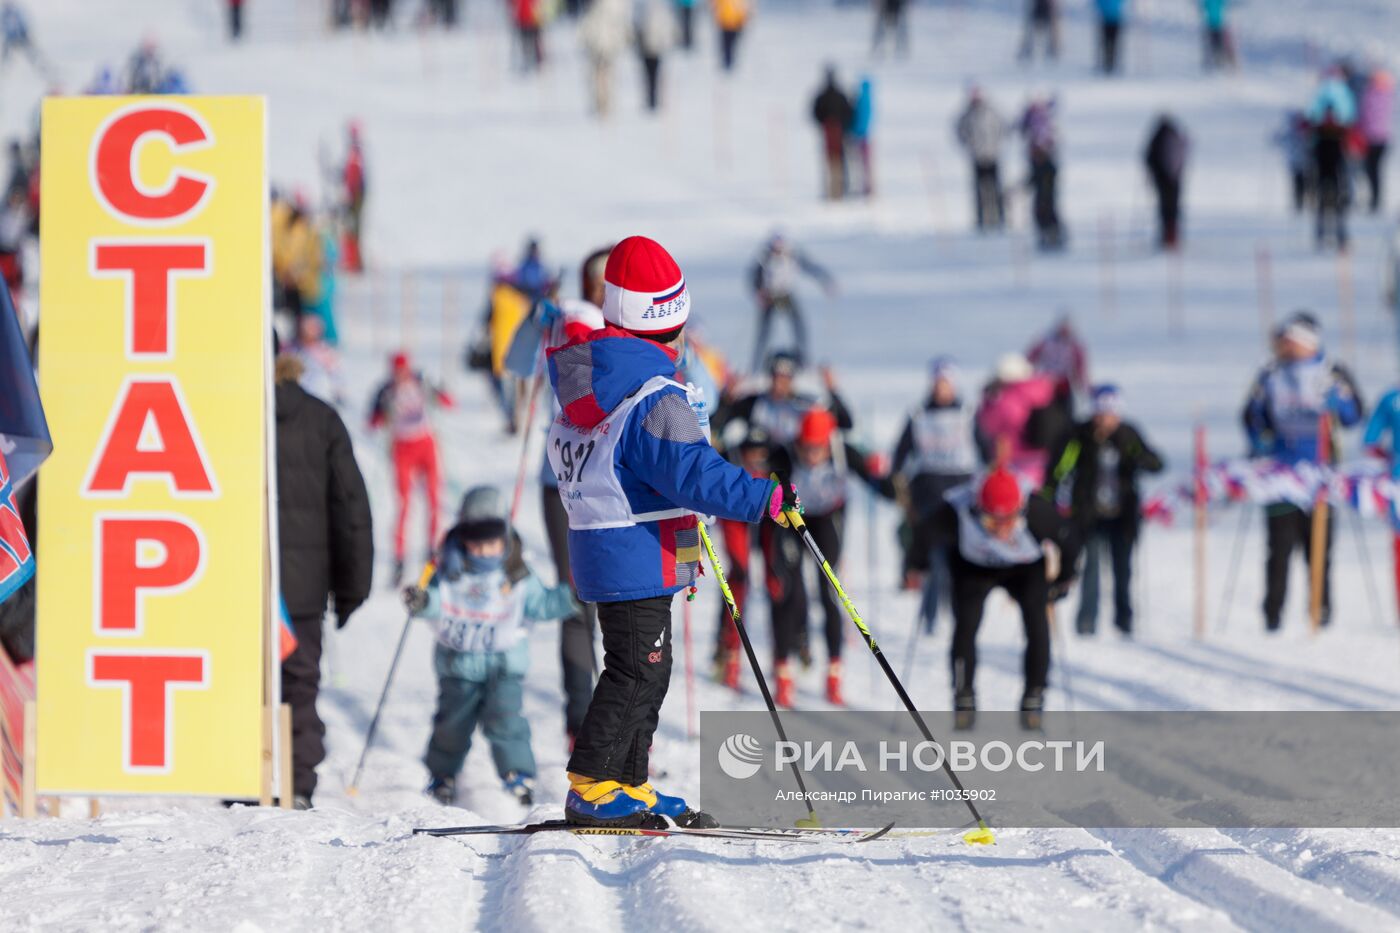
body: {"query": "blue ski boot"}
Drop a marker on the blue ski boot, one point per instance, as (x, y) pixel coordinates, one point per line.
(609, 803)
(676, 809)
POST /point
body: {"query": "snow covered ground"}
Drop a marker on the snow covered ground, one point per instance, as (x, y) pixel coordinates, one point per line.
(466, 157)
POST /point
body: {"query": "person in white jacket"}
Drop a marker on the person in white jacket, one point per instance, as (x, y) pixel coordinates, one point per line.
(657, 34)
(605, 31)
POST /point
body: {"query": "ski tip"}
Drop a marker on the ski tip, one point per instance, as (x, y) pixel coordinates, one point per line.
(878, 833)
(981, 836)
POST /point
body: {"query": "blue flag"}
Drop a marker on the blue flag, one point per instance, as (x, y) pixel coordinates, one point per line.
(24, 444)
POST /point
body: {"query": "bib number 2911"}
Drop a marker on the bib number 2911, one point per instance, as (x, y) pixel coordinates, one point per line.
(573, 458)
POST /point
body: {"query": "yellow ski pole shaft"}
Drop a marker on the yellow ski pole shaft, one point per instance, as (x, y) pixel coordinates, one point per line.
(729, 601)
(982, 835)
(353, 787)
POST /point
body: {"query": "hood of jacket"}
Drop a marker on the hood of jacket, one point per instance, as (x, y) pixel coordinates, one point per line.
(591, 376)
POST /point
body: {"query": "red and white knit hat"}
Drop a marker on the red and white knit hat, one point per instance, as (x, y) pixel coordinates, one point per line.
(644, 291)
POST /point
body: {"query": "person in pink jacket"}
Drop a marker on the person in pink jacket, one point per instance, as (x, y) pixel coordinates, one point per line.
(1007, 429)
(1374, 122)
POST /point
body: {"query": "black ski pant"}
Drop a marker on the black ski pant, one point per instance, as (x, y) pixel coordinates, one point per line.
(1332, 204)
(779, 304)
(651, 69)
(301, 681)
(1118, 536)
(1374, 161)
(728, 44)
(616, 736)
(787, 596)
(235, 20)
(828, 530)
(1108, 46)
(687, 15)
(1044, 178)
(1026, 585)
(986, 194)
(1168, 210)
(576, 656)
(1290, 528)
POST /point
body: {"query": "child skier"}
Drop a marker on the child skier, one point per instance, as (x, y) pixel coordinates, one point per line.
(999, 539)
(634, 467)
(482, 605)
(403, 404)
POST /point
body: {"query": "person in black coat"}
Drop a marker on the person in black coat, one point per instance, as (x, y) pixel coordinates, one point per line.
(833, 112)
(327, 551)
(1099, 463)
(1166, 163)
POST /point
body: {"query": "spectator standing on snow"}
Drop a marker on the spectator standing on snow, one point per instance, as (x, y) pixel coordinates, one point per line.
(774, 276)
(981, 132)
(326, 551)
(1283, 422)
(1111, 17)
(891, 16)
(235, 20)
(403, 405)
(1042, 155)
(1002, 538)
(1219, 46)
(656, 36)
(1097, 468)
(1374, 120)
(1331, 168)
(529, 24)
(1043, 21)
(482, 605)
(685, 12)
(832, 112)
(1165, 157)
(935, 454)
(859, 133)
(731, 16)
(578, 662)
(605, 31)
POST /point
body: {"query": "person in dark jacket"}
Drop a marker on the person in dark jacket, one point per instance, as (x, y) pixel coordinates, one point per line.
(1099, 464)
(1331, 171)
(1283, 421)
(1165, 157)
(1002, 538)
(832, 111)
(780, 408)
(327, 550)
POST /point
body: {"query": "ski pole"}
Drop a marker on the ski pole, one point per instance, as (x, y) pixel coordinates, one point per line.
(690, 731)
(353, 788)
(525, 443)
(1236, 554)
(1062, 662)
(811, 819)
(1372, 594)
(982, 835)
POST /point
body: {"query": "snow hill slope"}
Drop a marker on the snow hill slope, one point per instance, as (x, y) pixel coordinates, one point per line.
(466, 157)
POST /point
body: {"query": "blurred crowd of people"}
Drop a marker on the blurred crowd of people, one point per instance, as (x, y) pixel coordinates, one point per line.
(1341, 138)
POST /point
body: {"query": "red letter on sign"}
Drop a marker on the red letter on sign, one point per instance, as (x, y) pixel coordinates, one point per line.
(150, 301)
(150, 434)
(146, 681)
(114, 164)
(122, 575)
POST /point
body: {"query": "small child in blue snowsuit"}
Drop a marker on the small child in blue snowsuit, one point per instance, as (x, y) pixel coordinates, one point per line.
(481, 603)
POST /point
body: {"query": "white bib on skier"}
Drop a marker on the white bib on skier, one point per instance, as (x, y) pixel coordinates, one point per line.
(979, 546)
(584, 462)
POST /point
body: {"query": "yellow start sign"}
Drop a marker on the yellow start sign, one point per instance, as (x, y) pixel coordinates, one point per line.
(153, 367)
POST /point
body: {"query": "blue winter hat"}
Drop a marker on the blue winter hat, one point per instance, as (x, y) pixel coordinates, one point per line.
(943, 367)
(1107, 399)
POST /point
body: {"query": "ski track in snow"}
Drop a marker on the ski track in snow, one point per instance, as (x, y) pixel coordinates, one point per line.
(466, 157)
